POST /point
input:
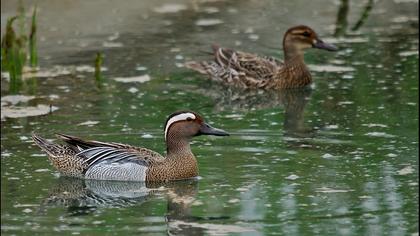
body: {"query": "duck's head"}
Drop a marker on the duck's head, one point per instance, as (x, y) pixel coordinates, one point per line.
(187, 124)
(301, 37)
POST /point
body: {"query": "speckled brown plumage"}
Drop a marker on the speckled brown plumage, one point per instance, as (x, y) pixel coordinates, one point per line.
(116, 161)
(247, 70)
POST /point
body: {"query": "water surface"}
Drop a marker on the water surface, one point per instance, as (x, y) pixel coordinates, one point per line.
(338, 159)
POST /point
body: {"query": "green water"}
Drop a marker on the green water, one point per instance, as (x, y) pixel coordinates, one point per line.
(338, 159)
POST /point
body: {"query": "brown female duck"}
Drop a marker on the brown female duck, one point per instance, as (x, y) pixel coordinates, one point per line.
(116, 161)
(251, 71)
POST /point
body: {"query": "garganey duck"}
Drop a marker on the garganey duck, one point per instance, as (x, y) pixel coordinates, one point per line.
(247, 70)
(116, 161)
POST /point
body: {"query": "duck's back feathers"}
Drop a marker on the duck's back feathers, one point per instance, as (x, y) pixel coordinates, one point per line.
(238, 68)
(93, 158)
(86, 148)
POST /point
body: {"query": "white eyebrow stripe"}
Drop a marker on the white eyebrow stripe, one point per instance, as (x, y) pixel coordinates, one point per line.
(179, 117)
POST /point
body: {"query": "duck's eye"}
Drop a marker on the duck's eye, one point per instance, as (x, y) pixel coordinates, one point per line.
(189, 119)
(306, 34)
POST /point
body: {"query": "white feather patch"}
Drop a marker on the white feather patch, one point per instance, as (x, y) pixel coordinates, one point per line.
(182, 116)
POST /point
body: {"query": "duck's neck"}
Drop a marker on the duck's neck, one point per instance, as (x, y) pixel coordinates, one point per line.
(177, 147)
(294, 73)
(180, 159)
(293, 55)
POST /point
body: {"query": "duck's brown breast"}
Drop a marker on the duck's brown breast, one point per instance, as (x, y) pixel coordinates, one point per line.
(173, 169)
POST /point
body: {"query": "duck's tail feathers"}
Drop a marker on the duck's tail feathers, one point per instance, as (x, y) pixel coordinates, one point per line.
(49, 147)
(197, 66)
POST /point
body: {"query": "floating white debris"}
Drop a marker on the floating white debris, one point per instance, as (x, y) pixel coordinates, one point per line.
(45, 73)
(170, 8)
(406, 1)
(232, 10)
(15, 99)
(179, 65)
(346, 40)
(112, 44)
(147, 136)
(27, 210)
(89, 123)
(331, 127)
(25, 205)
(141, 68)
(403, 19)
(254, 37)
(114, 36)
(241, 189)
(208, 22)
(5, 75)
(18, 112)
(137, 79)
(345, 103)
(348, 77)
(53, 96)
(292, 177)
(406, 170)
(38, 155)
(210, 10)
(327, 155)
(88, 69)
(133, 90)
(408, 53)
(234, 116)
(330, 190)
(370, 125)
(234, 200)
(330, 68)
(197, 203)
(85, 68)
(379, 134)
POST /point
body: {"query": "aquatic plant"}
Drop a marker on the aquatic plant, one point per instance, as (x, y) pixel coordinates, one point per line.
(32, 41)
(14, 48)
(98, 65)
(13, 55)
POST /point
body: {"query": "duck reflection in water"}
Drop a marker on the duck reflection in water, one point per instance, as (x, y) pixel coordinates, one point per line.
(292, 101)
(84, 197)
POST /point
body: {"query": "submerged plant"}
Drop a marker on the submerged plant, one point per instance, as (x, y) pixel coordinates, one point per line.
(98, 65)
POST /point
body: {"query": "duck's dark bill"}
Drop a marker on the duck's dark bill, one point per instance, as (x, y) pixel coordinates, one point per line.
(206, 129)
(326, 46)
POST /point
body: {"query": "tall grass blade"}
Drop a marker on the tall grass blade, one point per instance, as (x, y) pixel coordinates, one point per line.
(32, 41)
